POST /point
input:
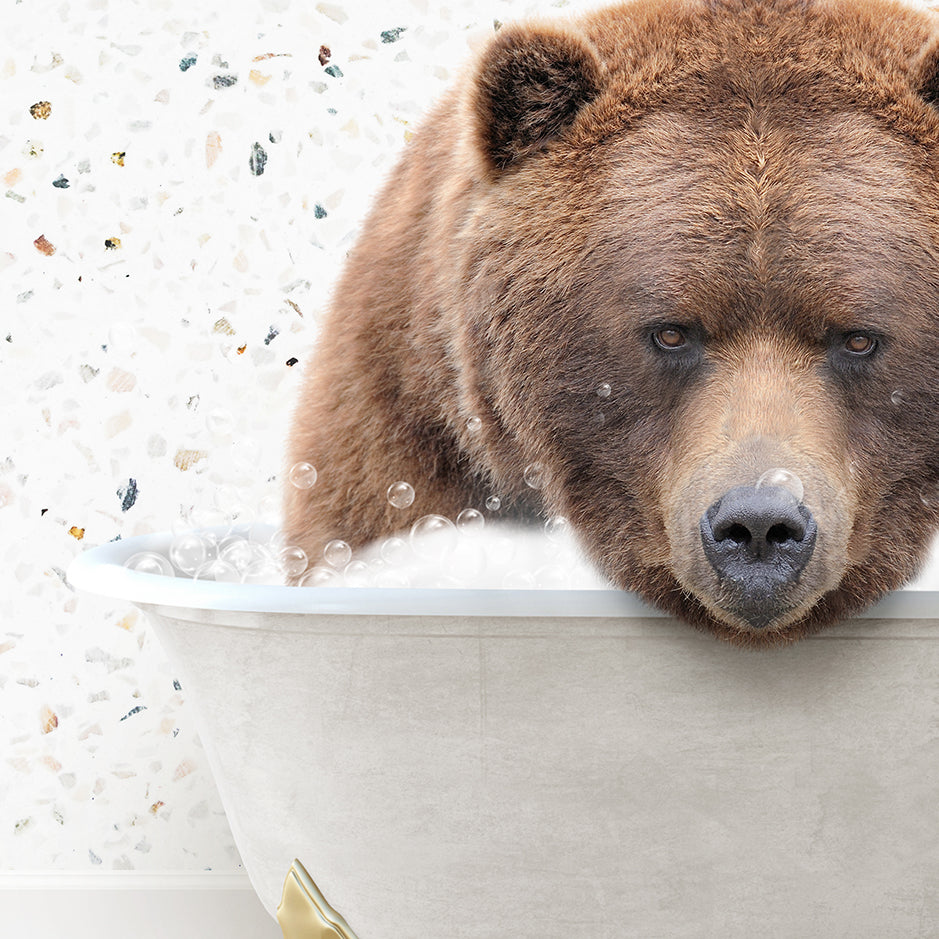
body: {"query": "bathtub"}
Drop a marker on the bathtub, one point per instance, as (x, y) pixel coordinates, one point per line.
(456, 764)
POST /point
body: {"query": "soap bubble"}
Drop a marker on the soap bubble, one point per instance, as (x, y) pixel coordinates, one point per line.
(470, 520)
(394, 550)
(320, 577)
(240, 513)
(268, 512)
(210, 516)
(149, 562)
(557, 527)
(443, 541)
(474, 425)
(182, 521)
(493, 503)
(356, 574)
(534, 475)
(220, 422)
(238, 552)
(188, 552)
(337, 554)
(230, 509)
(218, 571)
(401, 495)
(392, 578)
(293, 560)
(502, 550)
(604, 390)
(275, 543)
(211, 540)
(784, 480)
(898, 399)
(302, 475)
(262, 571)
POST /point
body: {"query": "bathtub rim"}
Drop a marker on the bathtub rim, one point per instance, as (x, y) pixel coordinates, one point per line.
(100, 570)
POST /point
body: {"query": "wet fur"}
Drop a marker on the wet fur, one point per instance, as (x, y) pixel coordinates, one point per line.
(765, 171)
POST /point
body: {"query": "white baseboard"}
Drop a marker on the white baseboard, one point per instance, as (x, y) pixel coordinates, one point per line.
(123, 880)
(118, 904)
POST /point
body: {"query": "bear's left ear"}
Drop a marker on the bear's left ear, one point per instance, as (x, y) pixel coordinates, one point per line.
(530, 85)
(925, 72)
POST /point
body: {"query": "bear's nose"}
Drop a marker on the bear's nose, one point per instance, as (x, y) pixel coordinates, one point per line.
(758, 541)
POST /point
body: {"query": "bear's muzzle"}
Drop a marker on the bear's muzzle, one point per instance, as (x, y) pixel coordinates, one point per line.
(758, 540)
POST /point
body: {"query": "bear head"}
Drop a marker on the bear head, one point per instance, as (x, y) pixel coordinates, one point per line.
(683, 259)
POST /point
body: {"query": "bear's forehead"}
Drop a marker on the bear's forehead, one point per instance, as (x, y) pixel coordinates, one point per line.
(757, 159)
(765, 219)
(721, 47)
(747, 162)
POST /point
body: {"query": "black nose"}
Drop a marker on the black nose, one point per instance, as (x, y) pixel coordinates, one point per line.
(758, 541)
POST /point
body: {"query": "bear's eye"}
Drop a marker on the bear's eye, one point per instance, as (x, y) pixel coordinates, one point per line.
(669, 338)
(860, 344)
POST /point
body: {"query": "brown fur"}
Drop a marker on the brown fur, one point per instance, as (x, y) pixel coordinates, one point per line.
(763, 174)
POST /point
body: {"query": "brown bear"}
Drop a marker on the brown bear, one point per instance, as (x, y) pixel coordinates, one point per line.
(660, 250)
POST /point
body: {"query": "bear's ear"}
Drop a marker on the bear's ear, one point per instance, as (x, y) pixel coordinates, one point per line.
(925, 72)
(531, 84)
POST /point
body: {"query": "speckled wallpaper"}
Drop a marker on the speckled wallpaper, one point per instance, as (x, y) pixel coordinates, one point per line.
(178, 183)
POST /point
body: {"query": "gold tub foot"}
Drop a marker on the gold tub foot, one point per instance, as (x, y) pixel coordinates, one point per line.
(304, 913)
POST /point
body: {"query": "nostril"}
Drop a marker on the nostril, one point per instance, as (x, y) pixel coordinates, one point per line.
(738, 533)
(779, 534)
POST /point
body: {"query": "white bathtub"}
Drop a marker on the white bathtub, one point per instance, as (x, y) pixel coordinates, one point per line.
(552, 764)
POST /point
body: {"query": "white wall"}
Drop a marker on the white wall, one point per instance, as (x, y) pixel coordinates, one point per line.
(149, 304)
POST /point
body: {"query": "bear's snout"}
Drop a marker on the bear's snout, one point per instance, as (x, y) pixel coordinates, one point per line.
(758, 540)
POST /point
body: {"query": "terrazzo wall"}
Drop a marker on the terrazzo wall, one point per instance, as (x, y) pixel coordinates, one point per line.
(180, 181)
